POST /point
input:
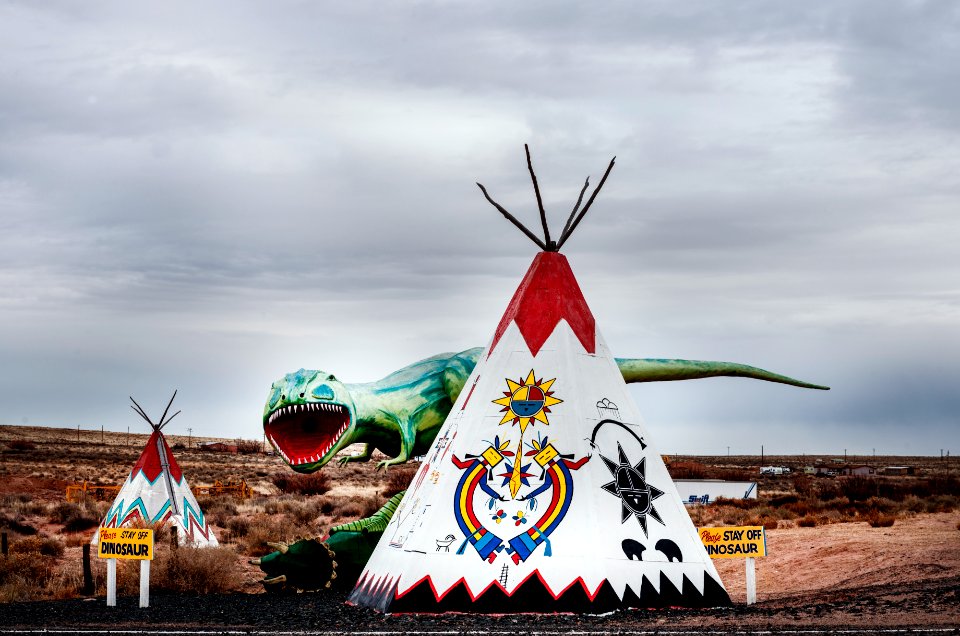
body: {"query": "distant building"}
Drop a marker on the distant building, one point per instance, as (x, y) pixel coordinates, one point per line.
(704, 491)
(860, 471)
(898, 470)
(218, 447)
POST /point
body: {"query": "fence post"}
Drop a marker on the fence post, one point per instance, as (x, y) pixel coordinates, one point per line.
(3, 543)
(87, 572)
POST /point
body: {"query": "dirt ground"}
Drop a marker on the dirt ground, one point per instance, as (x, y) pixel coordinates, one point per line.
(849, 555)
(833, 575)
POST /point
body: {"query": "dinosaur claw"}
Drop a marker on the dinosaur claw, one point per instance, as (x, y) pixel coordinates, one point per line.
(280, 547)
(275, 580)
(254, 561)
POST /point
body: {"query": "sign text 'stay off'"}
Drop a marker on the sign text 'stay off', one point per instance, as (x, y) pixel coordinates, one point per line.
(734, 543)
(126, 543)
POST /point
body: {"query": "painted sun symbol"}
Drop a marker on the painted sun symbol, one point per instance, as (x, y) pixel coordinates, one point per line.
(527, 401)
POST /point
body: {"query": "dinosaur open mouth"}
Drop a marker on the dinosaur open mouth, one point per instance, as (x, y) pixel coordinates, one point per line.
(305, 433)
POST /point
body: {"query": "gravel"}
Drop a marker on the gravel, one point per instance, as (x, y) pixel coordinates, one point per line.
(926, 606)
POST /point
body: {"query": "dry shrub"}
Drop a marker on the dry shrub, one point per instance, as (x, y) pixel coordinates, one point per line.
(306, 512)
(771, 524)
(45, 546)
(80, 522)
(196, 570)
(397, 480)
(860, 488)
(22, 504)
(942, 503)
(21, 445)
(294, 483)
(879, 520)
(16, 525)
(351, 509)
(248, 447)
(219, 512)
(26, 576)
(238, 527)
(803, 485)
(687, 470)
(807, 522)
(370, 505)
(62, 511)
(263, 529)
(328, 505)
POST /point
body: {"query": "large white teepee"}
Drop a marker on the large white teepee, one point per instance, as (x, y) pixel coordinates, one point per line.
(542, 490)
(157, 492)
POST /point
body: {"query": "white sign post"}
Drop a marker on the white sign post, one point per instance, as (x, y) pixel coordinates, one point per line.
(751, 573)
(145, 583)
(111, 582)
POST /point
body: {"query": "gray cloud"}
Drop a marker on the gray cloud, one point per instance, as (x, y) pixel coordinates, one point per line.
(210, 196)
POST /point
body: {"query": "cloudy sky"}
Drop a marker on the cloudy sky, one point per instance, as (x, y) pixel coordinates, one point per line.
(206, 196)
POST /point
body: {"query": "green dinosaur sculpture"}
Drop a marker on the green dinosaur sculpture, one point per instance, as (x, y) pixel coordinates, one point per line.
(309, 564)
(310, 416)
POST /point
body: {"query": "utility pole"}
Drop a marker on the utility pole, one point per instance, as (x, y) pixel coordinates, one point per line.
(101, 433)
(761, 454)
(728, 451)
(189, 437)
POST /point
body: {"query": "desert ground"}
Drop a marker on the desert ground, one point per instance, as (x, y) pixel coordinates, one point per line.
(880, 552)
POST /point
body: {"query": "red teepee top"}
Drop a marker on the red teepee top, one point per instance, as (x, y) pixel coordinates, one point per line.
(150, 463)
(546, 294)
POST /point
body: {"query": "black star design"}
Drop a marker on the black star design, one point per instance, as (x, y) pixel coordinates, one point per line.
(630, 486)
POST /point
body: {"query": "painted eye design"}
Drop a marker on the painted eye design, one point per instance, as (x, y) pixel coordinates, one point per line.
(275, 396)
(323, 392)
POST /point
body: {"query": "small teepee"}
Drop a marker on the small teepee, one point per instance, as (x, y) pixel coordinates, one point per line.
(157, 492)
(543, 490)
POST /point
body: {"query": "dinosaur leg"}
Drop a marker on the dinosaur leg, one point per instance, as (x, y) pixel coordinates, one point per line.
(317, 564)
(362, 457)
(408, 437)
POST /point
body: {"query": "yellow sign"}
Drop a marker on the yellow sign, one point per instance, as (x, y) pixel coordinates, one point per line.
(734, 543)
(126, 543)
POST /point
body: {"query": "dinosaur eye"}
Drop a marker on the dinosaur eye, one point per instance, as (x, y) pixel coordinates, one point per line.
(332, 378)
(301, 395)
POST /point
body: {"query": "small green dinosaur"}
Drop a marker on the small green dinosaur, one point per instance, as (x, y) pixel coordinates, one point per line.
(310, 416)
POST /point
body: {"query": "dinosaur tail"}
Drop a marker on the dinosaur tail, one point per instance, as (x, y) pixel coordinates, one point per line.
(661, 370)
